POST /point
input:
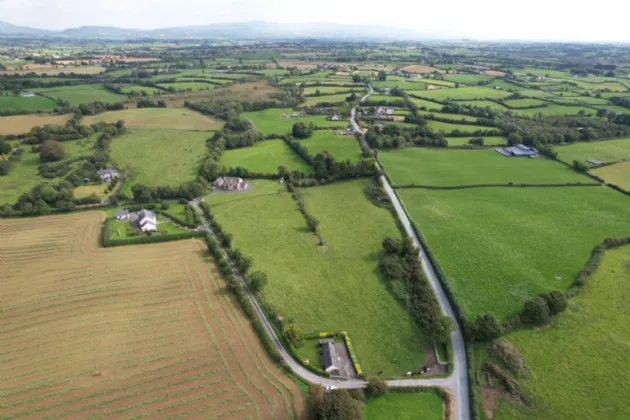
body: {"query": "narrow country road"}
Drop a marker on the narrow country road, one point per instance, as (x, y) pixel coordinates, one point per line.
(456, 383)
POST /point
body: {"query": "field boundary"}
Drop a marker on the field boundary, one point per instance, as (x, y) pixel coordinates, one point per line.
(508, 185)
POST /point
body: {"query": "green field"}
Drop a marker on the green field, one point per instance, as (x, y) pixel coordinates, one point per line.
(394, 100)
(188, 85)
(437, 82)
(331, 288)
(426, 104)
(488, 140)
(500, 246)
(524, 103)
(606, 151)
(120, 229)
(579, 364)
(161, 157)
(617, 174)
(330, 90)
(270, 121)
(447, 128)
(454, 117)
(32, 104)
(486, 104)
(473, 92)
(404, 406)
(265, 157)
(314, 100)
(81, 94)
(553, 110)
(467, 79)
(443, 167)
(405, 85)
(139, 89)
(157, 118)
(341, 147)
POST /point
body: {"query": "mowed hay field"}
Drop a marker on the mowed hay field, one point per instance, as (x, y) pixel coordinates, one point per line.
(171, 118)
(617, 174)
(500, 246)
(265, 157)
(20, 124)
(332, 287)
(580, 363)
(167, 339)
(161, 157)
(441, 167)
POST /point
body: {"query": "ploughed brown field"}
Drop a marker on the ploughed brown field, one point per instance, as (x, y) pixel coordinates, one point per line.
(126, 332)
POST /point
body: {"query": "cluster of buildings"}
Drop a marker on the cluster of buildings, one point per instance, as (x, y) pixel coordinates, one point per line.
(518, 150)
(145, 220)
(229, 183)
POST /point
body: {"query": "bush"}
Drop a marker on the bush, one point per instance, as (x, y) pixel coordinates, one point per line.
(51, 151)
(392, 245)
(294, 335)
(165, 205)
(556, 301)
(486, 328)
(536, 312)
(257, 281)
(376, 387)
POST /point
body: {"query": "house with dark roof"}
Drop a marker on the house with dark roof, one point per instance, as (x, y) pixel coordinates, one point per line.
(330, 357)
(123, 215)
(145, 220)
(108, 174)
(518, 150)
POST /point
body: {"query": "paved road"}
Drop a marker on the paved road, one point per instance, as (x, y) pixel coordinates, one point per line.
(458, 381)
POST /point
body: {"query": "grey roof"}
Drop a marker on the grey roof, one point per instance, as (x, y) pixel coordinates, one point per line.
(595, 162)
(108, 171)
(122, 213)
(520, 150)
(146, 214)
(329, 354)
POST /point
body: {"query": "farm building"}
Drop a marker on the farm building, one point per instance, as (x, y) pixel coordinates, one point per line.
(145, 220)
(330, 357)
(27, 94)
(595, 162)
(381, 111)
(107, 174)
(518, 151)
(230, 183)
(122, 215)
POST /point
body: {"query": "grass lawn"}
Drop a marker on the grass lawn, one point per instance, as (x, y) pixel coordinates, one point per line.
(579, 364)
(617, 174)
(487, 140)
(310, 350)
(270, 121)
(337, 287)
(404, 406)
(161, 157)
(265, 157)
(119, 229)
(341, 147)
(443, 167)
(83, 191)
(80, 94)
(447, 128)
(261, 187)
(500, 246)
(20, 124)
(33, 104)
(606, 151)
(156, 118)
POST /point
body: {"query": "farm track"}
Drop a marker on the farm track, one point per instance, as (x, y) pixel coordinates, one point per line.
(168, 341)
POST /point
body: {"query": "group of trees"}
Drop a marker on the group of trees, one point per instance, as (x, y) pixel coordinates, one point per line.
(8, 156)
(539, 310)
(393, 137)
(51, 151)
(44, 199)
(302, 131)
(147, 103)
(403, 273)
(146, 194)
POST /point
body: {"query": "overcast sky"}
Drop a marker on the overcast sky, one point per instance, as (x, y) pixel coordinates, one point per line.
(483, 19)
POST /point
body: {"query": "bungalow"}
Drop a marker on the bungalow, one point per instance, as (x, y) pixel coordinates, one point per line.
(229, 183)
(107, 175)
(122, 215)
(147, 221)
(330, 357)
(519, 150)
(335, 117)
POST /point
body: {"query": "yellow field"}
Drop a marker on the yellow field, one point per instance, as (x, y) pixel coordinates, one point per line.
(156, 118)
(617, 174)
(136, 331)
(55, 71)
(20, 124)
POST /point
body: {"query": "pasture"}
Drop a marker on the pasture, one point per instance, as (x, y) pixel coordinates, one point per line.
(20, 124)
(329, 90)
(467, 79)
(148, 90)
(392, 100)
(579, 364)
(341, 147)
(554, 110)
(524, 103)
(188, 86)
(32, 104)
(404, 406)
(473, 92)
(606, 151)
(421, 103)
(406, 85)
(271, 121)
(80, 94)
(161, 157)
(157, 118)
(454, 117)
(447, 128)
(418, 68)
(126, 331)
(618, 174)
(265, 157)
(314, 100)
(500, 246)
(332, 287)
(444, 167)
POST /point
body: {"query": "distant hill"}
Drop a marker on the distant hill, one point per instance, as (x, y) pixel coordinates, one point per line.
(241, 30)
